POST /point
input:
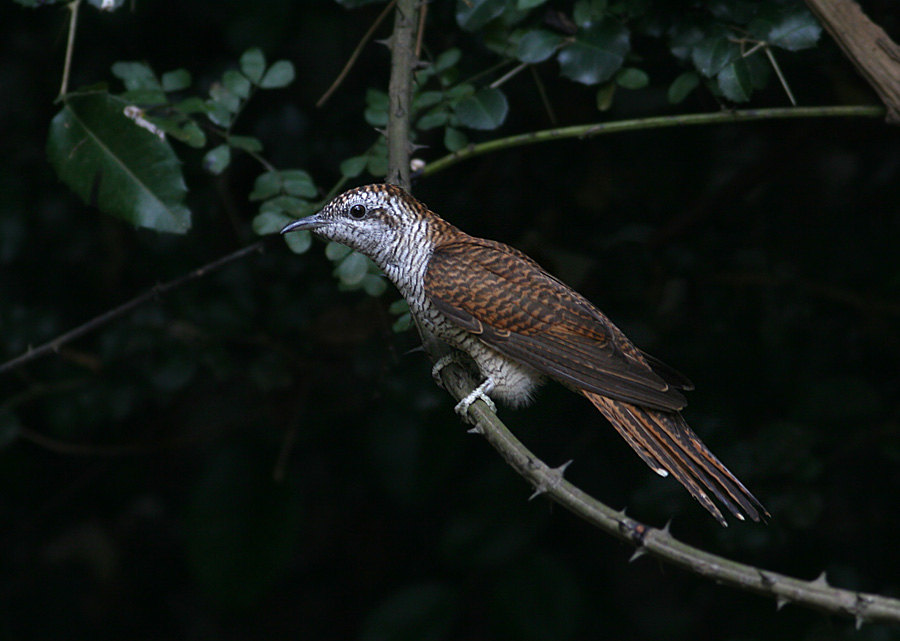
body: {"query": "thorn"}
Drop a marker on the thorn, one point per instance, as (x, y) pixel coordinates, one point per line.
(667, 528)
(414, 350)
(780, 602)
(562, 468)
(766, 579)
(475, 430)
(859, 621)
(821, 580)
(556, 477)
(385, 41)
(383, 132)
(638, 553)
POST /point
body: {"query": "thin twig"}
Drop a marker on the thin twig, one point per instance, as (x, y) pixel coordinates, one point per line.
(104, 318)
(355, 54)
(420, 32)
(509, 74)
(656, 122)
(542, 92)
(775, 65)
(70, 47)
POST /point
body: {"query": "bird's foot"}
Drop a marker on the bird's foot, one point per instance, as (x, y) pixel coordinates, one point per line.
(442, 362)
(482, 391)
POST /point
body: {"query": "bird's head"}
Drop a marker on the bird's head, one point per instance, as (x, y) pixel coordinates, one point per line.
(376, 220)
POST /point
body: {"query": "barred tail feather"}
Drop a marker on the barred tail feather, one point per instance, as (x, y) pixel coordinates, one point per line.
(664, 441)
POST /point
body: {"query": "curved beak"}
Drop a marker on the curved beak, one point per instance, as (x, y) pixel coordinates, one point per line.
(310, 222)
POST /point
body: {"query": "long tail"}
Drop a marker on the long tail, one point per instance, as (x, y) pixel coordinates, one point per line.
(665, 442)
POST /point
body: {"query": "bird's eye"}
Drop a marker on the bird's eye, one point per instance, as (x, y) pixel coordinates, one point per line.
(358, 211)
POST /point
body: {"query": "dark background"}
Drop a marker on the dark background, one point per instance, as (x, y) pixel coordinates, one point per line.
(256, 456)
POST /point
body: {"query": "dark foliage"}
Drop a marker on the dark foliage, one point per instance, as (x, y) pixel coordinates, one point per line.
(258, 456)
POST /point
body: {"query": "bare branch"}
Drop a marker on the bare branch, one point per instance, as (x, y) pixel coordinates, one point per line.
(108, 316)
(872, 52)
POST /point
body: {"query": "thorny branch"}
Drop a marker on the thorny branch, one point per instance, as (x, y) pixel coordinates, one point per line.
(659, 543)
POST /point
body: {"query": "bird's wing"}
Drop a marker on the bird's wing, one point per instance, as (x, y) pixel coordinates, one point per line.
(518, 309)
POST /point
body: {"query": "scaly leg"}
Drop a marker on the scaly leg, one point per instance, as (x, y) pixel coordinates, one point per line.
(482, 391)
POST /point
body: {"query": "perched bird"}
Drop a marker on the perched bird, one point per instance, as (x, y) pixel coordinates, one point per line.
(520, 325)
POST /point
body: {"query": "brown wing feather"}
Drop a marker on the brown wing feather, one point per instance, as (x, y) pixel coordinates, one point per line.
(544, 323)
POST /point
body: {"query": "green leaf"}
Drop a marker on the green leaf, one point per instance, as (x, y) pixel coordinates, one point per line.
(297, 182)
(403, 323)
(271, 222)
(352, 269)
(682, 86)
(218, 113)
(192, 105)
(217, 159)
(454, 139)
(596, 54)
(241, 528)
(335, 251)
(525, 5)
(377, 104)
(222, 95)
(587, 12)
(296, 207)
(176, 80)
(460, 91)
(144, 97)
(115, 165)
(267, 185)
(790, 27)
(422, 611)
(280, 74)
(487, 109)
(684, 36)
(353, 167)
(538, 45)
(427, 99)
(760, 70)
(374, 284)
(136, 75)
(605, 96)
(472, 15)
(738, 12)
(190, 134)
(632, 78)
(436, 118)
(376, 117)
(399, 306)
(253, 64)
(447, 59)
(298, 241)
(378, 162)
(247, 143)
(236, 83)
(711, 55)
(735, 81)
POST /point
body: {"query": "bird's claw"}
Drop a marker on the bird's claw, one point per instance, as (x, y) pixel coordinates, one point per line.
(440, 364)
(480, 392)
